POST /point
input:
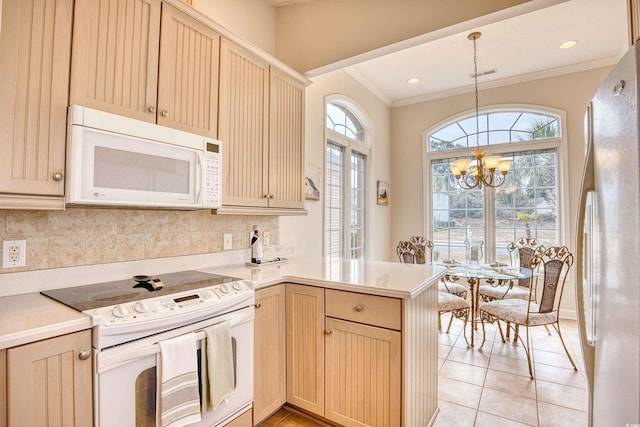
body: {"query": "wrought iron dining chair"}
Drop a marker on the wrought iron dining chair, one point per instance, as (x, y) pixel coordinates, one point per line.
(421, 246)
(521, 253)
(555, 262)
(525, 249)
(406, 252)
(458, 307)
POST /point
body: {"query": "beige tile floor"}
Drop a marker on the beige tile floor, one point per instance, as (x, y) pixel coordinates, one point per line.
(491, 386)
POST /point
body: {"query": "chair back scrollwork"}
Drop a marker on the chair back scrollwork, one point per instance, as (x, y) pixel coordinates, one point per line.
(556, 262)
(526, 248)
(406, 252)
(421, 245)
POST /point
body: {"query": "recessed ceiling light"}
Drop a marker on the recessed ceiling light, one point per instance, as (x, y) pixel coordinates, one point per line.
(568, 44)
(413, 80)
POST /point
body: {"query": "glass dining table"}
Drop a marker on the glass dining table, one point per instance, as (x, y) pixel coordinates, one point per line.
(495, 276)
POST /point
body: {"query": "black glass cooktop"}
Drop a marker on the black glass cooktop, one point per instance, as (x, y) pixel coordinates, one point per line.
(111, 293)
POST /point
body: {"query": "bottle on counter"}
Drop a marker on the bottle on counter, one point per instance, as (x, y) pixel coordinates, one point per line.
(256, 246)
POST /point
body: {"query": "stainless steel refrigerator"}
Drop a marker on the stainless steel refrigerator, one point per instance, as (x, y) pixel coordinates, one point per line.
(608, 247)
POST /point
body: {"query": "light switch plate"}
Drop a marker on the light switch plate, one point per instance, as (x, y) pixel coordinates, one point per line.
(228, 241)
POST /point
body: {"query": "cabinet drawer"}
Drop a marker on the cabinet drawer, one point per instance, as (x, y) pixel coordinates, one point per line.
(370, 309)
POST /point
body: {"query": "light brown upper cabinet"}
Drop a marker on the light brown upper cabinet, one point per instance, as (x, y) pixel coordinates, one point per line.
(123, 64)
(261, 116)
(35, 48)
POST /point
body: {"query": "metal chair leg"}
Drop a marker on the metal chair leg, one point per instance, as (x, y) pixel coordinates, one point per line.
(557, 328)
(450, 322)
(527, 349)
(500, 330)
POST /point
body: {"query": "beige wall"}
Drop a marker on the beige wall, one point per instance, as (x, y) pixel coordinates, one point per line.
(77, 237)
(307, 232)
(316, 33)
(569, 93)
(252, 20)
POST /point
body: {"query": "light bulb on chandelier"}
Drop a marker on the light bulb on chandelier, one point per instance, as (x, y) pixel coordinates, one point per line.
(490, 171)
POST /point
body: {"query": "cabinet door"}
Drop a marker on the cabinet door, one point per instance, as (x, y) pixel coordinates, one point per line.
(188, 74)
(270, 384)
(35, 48)
(243, 125)
(363, 373)
(115, 56)
(48, 383)
(286, 141)
(305, 347)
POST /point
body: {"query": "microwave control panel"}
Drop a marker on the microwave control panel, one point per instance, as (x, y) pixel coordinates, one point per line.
(212, 176)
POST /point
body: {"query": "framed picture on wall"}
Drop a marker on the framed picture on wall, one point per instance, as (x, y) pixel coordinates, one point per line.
(383, 193)
(312, 183)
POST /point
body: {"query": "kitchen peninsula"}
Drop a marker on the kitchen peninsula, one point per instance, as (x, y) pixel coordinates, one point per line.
(361, 339)
(357, 346)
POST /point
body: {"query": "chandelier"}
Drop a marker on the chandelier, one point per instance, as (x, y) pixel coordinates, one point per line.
(490, 171)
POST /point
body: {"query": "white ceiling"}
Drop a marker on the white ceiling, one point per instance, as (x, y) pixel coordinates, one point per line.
(522, 47)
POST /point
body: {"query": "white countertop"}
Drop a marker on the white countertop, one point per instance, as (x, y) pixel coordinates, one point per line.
(391, 279)
(30, 317)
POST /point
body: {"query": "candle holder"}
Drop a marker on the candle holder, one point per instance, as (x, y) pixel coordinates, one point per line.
(474, 252)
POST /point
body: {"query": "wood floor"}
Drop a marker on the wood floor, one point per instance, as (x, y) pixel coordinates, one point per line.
(286, 418)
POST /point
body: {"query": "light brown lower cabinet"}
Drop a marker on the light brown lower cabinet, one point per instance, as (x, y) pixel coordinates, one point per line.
(49, 382)
(269, 349)
(343, 370)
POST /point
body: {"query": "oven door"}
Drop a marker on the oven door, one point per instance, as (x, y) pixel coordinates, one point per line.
(126, 382)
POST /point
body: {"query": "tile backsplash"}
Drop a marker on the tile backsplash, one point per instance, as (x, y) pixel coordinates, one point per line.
(77, 237)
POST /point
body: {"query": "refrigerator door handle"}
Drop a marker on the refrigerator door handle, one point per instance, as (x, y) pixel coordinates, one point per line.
(588, 185)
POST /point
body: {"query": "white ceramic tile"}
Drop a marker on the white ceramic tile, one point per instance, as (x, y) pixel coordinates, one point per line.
(463, 372)
(557, 416)
(452, 415)
(562, 395)
(487, 420)
(509, 406)
(510, 383)
(459, 392)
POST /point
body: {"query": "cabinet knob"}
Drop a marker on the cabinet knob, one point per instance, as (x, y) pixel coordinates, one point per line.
(164, 113)
(359, 308)
(271, 196)
(258, 305)
(152, 110)
(84, 355)
(57, 176)
(327, 331)
(266, 196)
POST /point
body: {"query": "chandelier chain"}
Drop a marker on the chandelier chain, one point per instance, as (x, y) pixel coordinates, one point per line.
(475, 80)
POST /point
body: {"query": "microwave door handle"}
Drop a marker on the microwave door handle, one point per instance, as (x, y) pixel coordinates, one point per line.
(199, 167)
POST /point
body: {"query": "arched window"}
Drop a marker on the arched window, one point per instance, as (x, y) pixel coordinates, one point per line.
(346, 160)
(529, 203)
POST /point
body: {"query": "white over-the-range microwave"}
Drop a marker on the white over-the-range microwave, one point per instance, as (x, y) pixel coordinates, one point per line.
(118, 161)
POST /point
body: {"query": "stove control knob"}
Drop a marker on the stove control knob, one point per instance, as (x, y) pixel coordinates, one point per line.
(120, 311)
(141, 307)
(237, 286)
(224, 288)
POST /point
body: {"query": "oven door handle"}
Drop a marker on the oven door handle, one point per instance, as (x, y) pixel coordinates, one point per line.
(107, 360)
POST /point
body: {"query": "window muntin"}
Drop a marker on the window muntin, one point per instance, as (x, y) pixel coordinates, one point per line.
(528, 204)
(345, 182)
(495, 128)
(343, 121)
(334, 200)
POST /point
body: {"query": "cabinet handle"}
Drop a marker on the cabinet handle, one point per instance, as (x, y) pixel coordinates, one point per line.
(164, 113)
(84, 355)
(152, 110)
(359, 308)
(57, 176)
(258, 305)
(327, 331)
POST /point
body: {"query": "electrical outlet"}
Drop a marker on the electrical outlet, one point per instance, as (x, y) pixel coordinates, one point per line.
(228, 241)
(14, 253)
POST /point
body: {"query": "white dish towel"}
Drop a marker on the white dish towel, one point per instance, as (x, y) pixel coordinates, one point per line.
(179, 400)
(217, 362)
